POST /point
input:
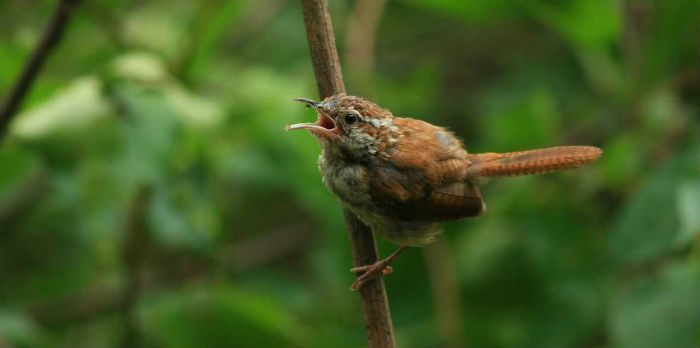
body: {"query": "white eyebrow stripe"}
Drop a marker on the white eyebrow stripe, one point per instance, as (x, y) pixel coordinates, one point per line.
(380, 122)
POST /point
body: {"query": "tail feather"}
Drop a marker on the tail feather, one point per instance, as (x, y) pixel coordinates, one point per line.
(531, 161)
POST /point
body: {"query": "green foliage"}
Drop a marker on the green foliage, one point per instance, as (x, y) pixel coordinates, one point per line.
(18, 166)
(216, 315)
(655, 211)
(150, 151)
(658, 310)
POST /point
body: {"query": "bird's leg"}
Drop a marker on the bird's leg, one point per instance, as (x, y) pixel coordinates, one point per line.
(381, 266)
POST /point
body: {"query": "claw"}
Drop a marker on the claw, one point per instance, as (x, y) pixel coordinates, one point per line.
(378, 268)
(373, 270)
(365, 268)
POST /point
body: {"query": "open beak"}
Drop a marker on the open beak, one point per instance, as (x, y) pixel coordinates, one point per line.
(324, 125)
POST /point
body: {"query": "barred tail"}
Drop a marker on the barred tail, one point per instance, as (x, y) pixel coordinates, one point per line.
(531, 161)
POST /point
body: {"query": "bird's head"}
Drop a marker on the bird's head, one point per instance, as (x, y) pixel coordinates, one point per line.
(349, 123)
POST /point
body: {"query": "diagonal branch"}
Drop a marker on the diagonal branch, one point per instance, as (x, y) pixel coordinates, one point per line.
(49, 38)
(324, 57)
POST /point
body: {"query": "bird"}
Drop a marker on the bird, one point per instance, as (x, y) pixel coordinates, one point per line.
(402, 176)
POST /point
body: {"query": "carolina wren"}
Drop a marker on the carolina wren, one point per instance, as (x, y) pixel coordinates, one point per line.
(402, 176)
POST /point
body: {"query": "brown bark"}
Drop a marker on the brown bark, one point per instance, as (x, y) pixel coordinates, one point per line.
(324, 57)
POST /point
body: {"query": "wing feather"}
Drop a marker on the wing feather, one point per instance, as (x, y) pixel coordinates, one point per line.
(424, 179)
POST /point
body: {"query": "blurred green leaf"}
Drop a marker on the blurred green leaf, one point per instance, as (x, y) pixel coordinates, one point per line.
(659, 311)
(671, 38)
(524, 120)
(648, 226)
(586, 23)
(55, 254)
(17, 330)
(17, 166)
(215, 22)
(218, 316)
(149, 27)
(622, 159)
(481, 10)
(79, 104)
(688, 203)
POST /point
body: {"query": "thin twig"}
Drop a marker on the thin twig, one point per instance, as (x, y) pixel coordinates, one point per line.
(447, 303)
(133, 252)
(324, 57)
(49, 38)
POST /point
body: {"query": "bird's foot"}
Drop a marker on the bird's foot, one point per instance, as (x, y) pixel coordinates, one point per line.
(370, 271)
(373, 270)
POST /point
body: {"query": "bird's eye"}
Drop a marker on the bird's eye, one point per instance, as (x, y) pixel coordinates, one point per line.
(350, 118)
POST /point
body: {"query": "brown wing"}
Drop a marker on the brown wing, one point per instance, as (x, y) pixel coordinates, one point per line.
(424, 177)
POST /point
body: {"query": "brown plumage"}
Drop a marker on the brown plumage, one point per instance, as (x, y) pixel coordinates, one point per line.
(402, 176)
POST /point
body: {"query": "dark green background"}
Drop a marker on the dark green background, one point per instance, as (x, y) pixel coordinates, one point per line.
(149, 196)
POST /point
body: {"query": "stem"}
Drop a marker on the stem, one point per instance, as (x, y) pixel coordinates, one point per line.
(49, 38)
(324, 57)
(360, 41)
(447, 303)
(133, 253)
